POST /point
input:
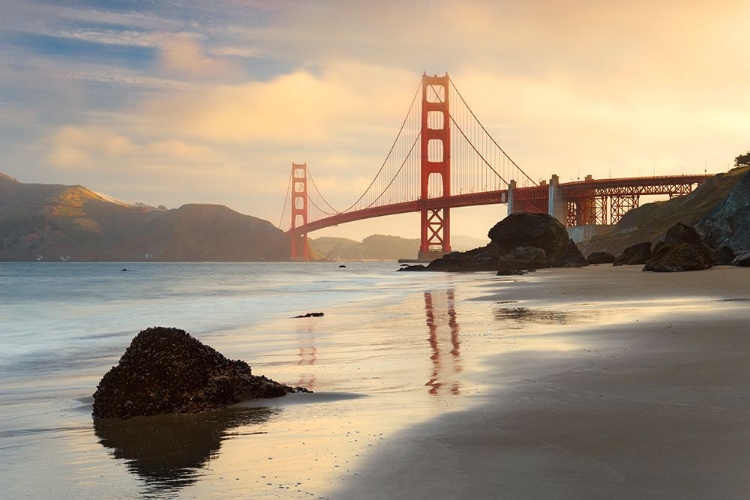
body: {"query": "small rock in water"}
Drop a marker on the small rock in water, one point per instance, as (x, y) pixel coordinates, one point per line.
(309, 315)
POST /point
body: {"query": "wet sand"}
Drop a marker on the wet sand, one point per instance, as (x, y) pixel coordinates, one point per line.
(622, 385)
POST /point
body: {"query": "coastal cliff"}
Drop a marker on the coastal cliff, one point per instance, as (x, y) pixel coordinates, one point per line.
(650, 222)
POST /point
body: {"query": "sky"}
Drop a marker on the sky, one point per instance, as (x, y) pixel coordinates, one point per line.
(167, 102)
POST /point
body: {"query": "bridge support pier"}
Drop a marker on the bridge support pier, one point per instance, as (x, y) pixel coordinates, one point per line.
(511, 197)
(556, 201)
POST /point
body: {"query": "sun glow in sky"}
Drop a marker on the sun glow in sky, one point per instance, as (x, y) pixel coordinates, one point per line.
(195, 101)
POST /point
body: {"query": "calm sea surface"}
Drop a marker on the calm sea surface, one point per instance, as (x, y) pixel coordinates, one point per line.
(393, 349)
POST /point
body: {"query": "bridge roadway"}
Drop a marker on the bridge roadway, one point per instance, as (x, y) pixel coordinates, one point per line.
(657, 185)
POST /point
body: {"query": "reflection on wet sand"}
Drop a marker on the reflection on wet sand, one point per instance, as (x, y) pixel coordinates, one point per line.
(308, 355)
(440, 310)
(169, 451)
(522, 315)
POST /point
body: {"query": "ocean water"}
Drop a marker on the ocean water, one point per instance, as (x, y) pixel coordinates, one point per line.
(393, 349)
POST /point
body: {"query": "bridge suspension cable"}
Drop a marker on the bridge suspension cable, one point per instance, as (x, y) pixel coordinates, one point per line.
(381, 192)
(315, 186)
(286, 200)
(479, 164)
(519, 169)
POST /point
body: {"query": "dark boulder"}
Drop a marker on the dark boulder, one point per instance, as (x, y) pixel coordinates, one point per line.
(742, 260)
(680, 257)
(682, 250)
(484, 258)
(165, 370)
(724, 256)
(682, 233)
(523, 229)
(520, 241)
(636, 254)
(601, 258)
(522, 258)
(570, 256)
(533, 256)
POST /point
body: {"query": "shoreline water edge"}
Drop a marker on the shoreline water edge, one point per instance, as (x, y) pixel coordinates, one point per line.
(601, 382)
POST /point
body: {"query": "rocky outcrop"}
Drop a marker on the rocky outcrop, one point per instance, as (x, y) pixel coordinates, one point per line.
(742, 260)
(165, 370)
(724, 256)
(682, 250)
(601, 258)
(485, 258)
(637, 254)
(651, 221)
(729, 223)
(520, 241)
(524, 258)
(543, 231)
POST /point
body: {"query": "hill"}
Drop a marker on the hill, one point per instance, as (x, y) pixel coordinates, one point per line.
(650, 222)
(57, 222)
(380, 247)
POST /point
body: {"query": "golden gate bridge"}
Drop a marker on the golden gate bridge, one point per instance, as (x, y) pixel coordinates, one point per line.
(443, 158)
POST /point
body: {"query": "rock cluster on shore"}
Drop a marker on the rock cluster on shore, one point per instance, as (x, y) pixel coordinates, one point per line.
(717, 214)
(683, 249)
(165, 370)
(521, 241)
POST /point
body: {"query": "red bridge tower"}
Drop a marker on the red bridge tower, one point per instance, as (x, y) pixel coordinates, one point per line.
(435, 163)
(300, 250)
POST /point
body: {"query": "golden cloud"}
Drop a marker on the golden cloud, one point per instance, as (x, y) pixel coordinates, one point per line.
(182, 56)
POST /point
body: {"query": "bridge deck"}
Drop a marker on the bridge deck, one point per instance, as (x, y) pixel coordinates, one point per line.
(587, 188)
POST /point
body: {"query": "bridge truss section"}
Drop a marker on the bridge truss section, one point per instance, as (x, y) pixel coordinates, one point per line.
(606, 201)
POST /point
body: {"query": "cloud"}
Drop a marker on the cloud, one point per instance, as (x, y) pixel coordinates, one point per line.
(96, 147)
(80, 148)
(182, 56)
(238, 90)
(297, 108)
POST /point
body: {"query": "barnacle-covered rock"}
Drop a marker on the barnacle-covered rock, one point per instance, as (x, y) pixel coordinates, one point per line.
(165, 370)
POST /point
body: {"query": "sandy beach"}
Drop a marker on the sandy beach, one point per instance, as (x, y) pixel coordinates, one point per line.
(648, 397)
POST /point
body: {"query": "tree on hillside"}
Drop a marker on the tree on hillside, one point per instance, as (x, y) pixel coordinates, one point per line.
(742, 160)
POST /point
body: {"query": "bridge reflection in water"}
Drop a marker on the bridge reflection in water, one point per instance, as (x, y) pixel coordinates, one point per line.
(308, 356)
(443, 337)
